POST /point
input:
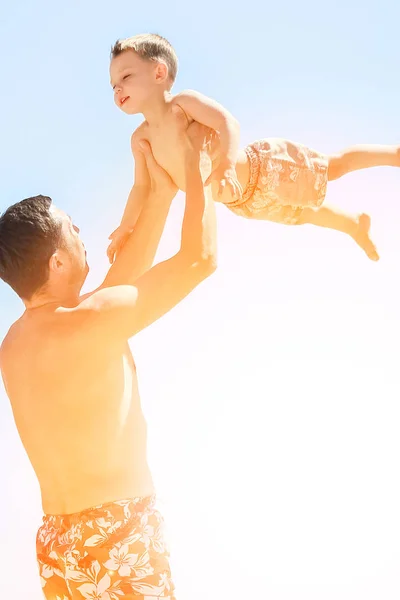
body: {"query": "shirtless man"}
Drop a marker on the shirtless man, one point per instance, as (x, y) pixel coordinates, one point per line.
(71, 380)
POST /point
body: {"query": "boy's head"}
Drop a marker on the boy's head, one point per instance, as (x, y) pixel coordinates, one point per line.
(141, 66)
(40, 248)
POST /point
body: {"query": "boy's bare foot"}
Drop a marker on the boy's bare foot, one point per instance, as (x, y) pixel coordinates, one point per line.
(363, 239)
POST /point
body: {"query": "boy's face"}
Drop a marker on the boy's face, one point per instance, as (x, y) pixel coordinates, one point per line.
(134, 80)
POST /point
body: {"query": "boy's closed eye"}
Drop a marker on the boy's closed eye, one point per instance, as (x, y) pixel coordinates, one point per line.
(123, 79)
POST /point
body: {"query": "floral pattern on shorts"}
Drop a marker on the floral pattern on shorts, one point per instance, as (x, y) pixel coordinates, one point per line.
(112, 551)
(285, 177)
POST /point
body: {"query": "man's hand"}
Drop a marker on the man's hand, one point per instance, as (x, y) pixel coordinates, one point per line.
(197, 139)
(226, 176)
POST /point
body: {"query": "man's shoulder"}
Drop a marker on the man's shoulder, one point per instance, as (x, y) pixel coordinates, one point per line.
(4, 346)
(19, 342)
(103, 299)
(106, 313)
(9, 354)
(9, 341)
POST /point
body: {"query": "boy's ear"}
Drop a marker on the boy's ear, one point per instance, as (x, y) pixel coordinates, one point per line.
(161, 72)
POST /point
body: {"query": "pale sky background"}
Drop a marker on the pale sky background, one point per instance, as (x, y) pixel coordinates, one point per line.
(272, 392)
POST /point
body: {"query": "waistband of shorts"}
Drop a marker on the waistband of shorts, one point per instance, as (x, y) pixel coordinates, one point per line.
(138, 504)
(254, 161)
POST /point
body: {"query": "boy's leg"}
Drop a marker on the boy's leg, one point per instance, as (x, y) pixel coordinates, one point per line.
(362, 157)
(356, 226)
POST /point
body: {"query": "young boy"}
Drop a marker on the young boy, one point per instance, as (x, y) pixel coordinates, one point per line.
(271, 179)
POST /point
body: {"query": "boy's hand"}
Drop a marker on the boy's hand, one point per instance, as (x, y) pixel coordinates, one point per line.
(118, 238)
(226, 176)
(123, 231)
(161, 187)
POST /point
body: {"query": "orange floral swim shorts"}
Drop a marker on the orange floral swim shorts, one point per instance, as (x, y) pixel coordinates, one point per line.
(112, 551)
(285, 177)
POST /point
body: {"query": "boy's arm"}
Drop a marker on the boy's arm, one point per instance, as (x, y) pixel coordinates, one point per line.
(136, 200)
(120, 312)
(141, 186)
(139, 247)
(210, 113)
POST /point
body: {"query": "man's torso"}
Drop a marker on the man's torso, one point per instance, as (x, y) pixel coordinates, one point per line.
(76, 405)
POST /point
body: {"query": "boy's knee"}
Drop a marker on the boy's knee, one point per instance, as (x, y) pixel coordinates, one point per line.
(336, 166)
(305, 216)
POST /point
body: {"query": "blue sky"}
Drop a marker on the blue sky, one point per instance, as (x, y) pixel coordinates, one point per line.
(272, 392)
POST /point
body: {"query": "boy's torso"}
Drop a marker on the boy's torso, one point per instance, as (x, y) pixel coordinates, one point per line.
(169, 154)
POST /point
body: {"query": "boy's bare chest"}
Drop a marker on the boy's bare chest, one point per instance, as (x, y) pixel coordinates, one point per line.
(168, 152)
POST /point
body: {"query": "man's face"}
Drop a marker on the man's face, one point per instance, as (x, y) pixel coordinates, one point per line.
(133, 80)
(72, 253)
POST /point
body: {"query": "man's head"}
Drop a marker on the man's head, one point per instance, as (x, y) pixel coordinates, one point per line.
(40, 250)
(141, 67)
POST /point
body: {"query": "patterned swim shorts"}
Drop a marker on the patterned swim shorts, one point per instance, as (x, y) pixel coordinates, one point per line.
(112, 551)
(285, 177)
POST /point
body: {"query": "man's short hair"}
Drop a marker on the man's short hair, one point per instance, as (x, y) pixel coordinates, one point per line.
(29, 236)
(149, 46)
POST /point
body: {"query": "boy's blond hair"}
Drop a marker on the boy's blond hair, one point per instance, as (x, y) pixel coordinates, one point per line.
(149, 46)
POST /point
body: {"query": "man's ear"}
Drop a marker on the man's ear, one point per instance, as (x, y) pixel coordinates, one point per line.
(56, 263)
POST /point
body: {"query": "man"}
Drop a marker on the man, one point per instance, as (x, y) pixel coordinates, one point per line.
(71, 380)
